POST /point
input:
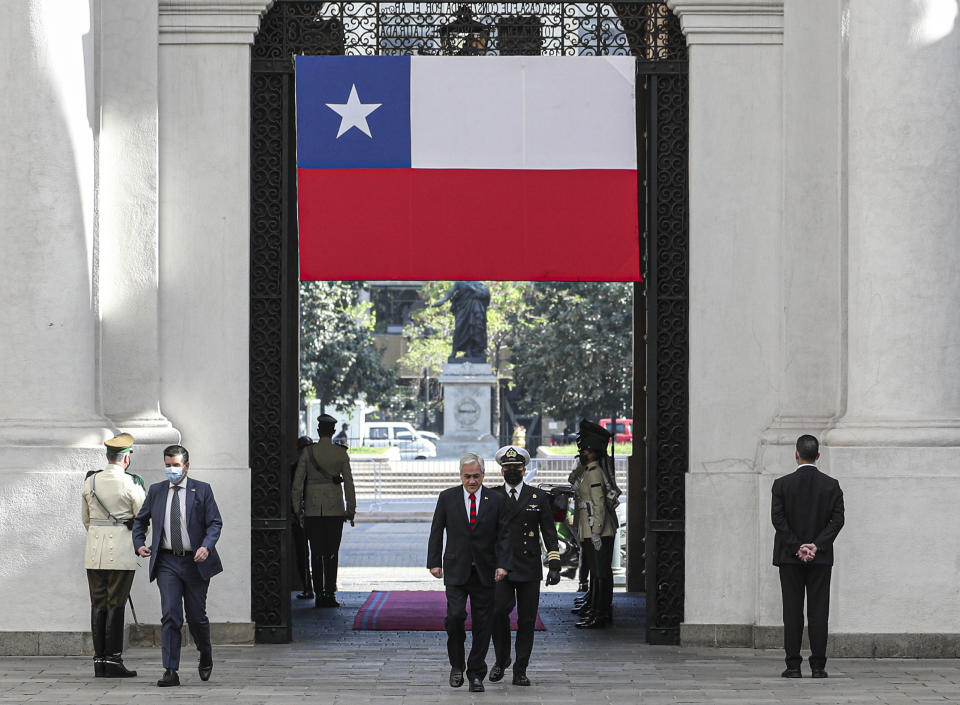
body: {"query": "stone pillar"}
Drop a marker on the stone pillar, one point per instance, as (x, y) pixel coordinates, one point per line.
(127, 207)
(813, 222)
(902, 286)
(896, 448)
(48, 118)
(467, 389)
(736, 212)
(204, 156)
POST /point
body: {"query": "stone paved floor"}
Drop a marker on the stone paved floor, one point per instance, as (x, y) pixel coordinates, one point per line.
(330, 663)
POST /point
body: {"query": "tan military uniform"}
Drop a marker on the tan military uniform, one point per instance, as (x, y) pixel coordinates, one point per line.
(590, 495)
(324, 497)
(109, 546)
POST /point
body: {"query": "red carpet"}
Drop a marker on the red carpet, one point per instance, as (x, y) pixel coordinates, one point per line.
(412, 610)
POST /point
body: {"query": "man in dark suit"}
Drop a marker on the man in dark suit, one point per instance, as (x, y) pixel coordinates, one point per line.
(476, 556)
(807, 512)
(529, 515)
(183, 557)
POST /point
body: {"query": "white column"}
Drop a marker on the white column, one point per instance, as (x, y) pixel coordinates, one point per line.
(48, 315)
(204, 68)
(813, 222)
(736, 212)
(127, 179)
(904, 122)
(896, 449)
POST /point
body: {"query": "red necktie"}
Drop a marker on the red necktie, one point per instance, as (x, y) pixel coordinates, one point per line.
(473, 512)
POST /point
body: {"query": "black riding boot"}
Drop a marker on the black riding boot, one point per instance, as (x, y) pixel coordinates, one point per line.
(98, 630)
(601, 615)
(113, 661)
(330, 564)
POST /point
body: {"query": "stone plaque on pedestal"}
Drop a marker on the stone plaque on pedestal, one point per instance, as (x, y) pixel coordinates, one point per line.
(467, 393)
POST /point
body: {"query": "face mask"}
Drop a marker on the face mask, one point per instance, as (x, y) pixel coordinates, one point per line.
(174, 474)
(513, 476)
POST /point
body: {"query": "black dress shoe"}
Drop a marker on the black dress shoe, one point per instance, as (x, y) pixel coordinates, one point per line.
(456, 678)
(496, 673)
(99, 671)
(476, 685)
(206, 666)
(592, 622)
(791, 673)
(170, 678)
(819, 673)
(326, 599)
(520, 679)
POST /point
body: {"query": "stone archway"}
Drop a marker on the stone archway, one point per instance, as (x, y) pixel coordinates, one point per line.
(646, 29)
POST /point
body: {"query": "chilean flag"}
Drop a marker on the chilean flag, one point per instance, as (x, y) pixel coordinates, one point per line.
(490, 168)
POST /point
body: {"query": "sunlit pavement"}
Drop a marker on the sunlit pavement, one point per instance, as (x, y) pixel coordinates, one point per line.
(330, 663)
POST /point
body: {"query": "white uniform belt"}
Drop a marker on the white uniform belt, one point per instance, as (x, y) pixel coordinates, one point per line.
(105, 522)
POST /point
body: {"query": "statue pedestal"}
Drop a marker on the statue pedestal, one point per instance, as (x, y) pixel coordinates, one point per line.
(467, 389)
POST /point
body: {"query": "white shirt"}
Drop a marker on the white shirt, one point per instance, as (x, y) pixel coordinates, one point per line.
(466, 501)
(511, 488)
(182, 496)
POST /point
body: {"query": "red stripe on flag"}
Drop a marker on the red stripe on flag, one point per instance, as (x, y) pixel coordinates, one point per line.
(522, 225)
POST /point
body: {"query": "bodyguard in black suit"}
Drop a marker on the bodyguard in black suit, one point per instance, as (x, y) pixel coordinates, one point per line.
(183, 557)
(807, 512)
(529, 516)
(475, 557)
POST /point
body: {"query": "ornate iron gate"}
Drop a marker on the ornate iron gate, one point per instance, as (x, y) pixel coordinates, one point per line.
(642, 28)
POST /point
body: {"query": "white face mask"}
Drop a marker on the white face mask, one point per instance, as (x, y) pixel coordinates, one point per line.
(174, 474)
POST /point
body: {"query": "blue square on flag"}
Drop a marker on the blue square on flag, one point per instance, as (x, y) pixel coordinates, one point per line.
(353, 112)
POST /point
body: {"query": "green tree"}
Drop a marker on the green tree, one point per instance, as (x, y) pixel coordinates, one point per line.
(578, 360)
(339, 362)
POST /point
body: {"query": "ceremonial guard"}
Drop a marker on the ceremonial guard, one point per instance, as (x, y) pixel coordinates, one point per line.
(529, 516)
(111, 499)
(322, 482)
(596, 519)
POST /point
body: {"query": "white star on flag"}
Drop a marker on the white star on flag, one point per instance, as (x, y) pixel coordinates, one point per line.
(353, 113)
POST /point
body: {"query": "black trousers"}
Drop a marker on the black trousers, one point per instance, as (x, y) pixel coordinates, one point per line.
(815, 581)
(302, 556)
(526, 596)
(324, 535)
(481, 603)
(601, 574)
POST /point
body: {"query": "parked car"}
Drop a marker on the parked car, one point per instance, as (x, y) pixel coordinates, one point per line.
(429, 435)
(401, 435)
(624, 429)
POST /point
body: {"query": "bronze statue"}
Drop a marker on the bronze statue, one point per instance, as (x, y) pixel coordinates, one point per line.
(469, 301)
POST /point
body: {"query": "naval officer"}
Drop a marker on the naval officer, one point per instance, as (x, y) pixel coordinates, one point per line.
(529, 516)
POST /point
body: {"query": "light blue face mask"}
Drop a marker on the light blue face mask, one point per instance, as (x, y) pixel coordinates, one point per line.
(174, 474)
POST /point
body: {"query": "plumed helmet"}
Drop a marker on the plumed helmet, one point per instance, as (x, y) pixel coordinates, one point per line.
(593, 436)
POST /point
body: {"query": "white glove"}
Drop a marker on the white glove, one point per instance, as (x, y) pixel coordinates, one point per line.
(595, 539)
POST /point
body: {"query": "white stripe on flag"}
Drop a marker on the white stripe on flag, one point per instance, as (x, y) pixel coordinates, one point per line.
(520, 112)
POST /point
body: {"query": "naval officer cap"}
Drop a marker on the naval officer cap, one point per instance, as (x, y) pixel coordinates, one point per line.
(511, 455)
(122, 443)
